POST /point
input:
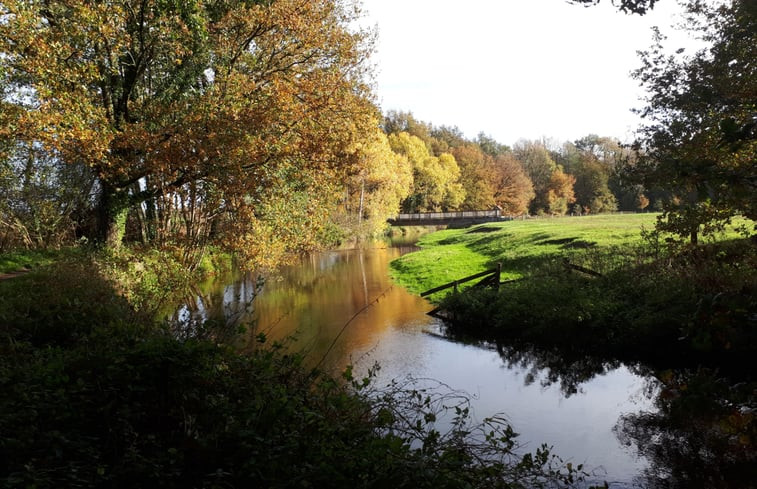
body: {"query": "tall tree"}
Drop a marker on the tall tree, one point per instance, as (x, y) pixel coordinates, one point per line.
(592, 171)
(436, 185)
(700, 136)
(176, 104)
(373, 193)
(539, 166)
(490, 146)
(513, 190)
(398, 121)
(476, 176)
(560, 192)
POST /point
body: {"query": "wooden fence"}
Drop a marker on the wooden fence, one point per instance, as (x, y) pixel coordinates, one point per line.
(491, 278)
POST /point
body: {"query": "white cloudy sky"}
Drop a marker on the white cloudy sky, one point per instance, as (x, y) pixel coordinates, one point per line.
(514, 68)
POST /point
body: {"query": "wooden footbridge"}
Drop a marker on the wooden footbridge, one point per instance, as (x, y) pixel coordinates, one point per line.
(458, 219)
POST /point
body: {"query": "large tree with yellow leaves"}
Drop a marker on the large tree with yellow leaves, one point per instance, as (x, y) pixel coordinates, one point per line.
(190, 110)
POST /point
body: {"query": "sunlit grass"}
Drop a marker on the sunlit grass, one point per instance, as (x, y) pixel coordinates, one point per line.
(26, 260)
(519, 245)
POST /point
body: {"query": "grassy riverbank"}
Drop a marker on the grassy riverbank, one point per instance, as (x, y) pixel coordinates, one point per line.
(653, 301)
(519, 245)
(97, 393)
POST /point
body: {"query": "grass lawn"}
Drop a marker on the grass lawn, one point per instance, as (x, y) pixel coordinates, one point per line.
(519, 245)
(26, 260)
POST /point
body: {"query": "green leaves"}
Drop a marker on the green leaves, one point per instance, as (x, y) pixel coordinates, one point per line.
(698, 143)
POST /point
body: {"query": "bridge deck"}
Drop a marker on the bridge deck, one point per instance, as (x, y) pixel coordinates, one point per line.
(441, 218)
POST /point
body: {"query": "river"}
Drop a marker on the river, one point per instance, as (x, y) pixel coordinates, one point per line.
(341, 308)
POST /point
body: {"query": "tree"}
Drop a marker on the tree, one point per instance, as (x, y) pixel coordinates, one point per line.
(41, 199)
(436, 183)
(539, 166)
(490, 146)
(383, 179)
(699, 141)
(476, 176)
(628, 6)
(592, 174)
(513, 190)
(190, 110)
(560, 192)
(445, 138)
(398, 121)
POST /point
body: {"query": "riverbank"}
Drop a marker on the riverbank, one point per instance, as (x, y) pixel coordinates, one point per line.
(649, 300)
(97, 394)
(684, 316)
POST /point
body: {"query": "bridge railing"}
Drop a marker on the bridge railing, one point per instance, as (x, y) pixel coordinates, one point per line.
(420, 216)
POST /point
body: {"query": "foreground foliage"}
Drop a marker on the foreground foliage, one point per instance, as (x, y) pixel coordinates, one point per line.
(96, 395)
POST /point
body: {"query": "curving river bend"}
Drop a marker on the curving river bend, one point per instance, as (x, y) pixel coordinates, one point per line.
(342, 308)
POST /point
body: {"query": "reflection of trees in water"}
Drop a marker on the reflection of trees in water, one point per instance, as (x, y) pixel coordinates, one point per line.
(552, 366)
(703, 434)
(219, 312)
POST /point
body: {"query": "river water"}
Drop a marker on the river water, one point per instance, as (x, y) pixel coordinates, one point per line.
(342, 308)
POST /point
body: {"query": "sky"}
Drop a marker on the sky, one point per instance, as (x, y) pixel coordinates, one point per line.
(515, 69)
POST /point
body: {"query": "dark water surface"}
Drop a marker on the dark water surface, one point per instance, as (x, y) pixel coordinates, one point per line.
(342, 308)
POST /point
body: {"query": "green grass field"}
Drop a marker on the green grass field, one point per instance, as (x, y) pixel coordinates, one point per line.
(519, 245)
(26, 259)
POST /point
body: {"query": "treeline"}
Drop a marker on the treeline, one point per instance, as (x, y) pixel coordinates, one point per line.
(252, 126)
(451, 172)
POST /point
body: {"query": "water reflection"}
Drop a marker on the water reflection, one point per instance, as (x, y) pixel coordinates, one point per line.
(699, 429)
(549, 366)
(636, 427)
(702, 434)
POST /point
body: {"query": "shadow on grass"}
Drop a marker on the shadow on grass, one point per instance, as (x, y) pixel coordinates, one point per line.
(61, 304)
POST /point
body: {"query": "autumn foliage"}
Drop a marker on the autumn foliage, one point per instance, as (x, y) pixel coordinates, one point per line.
(195, 117)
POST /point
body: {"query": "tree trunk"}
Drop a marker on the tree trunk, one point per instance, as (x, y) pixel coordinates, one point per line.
(111, 216)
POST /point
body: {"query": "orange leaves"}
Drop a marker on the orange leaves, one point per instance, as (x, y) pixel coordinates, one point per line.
(171, 102)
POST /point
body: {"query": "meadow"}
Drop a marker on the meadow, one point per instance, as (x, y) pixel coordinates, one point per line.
(519, 245)
(654, 299)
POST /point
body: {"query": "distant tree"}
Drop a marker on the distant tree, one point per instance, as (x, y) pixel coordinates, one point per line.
(436, 184)
(445, 138)
(490, 146)
(699, 141)
(560, 192)
(592, 174)
(373, 193)
(477, 175)
(539, 166)
(399, 121)
(642, 202)
(454, 193)
(513, 190)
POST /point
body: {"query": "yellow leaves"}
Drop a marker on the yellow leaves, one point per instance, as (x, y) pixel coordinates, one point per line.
(260, 97)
